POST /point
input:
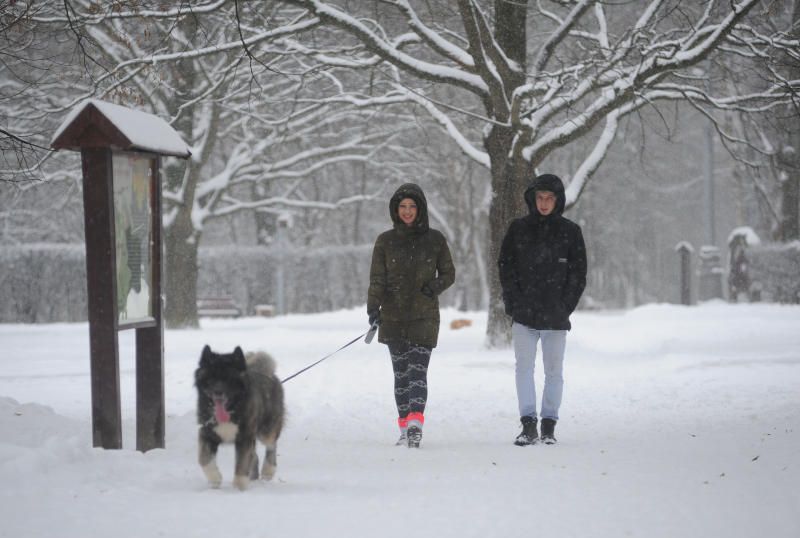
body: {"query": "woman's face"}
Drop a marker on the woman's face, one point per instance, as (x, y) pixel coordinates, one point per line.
(407, 211)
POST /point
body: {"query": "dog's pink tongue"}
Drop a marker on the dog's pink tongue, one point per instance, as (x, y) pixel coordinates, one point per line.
(221, 413)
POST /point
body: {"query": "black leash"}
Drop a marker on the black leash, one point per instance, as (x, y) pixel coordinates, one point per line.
(367, 338)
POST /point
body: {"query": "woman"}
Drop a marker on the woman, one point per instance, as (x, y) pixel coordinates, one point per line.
(411, 266)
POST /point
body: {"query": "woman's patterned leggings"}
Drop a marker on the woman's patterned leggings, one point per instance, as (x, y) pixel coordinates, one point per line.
(410, 365)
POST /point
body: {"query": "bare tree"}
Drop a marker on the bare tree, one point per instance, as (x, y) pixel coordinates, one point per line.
(261, 121)
(766, 145)
(586, 65)
(28, 61)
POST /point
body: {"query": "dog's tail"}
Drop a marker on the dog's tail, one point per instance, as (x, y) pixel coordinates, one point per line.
(259, 362)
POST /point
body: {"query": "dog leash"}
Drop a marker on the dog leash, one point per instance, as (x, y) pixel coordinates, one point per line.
(367, 338)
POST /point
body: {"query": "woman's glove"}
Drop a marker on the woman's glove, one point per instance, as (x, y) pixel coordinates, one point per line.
(427, 291)
(374, 317)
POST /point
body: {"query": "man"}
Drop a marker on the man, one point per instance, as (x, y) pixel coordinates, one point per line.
(543, 273)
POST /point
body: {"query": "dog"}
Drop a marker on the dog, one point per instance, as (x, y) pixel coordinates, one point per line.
(239, 400)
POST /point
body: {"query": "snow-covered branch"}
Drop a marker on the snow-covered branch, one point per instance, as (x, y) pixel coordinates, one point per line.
(442, 73)
(564, 26)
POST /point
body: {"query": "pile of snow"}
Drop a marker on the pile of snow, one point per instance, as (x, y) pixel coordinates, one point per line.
(677, 421)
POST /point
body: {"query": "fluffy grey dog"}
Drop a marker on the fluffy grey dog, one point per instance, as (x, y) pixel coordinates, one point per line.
(239, 400)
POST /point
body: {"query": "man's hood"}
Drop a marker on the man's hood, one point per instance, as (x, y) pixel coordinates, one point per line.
(413, 191)
(546, 182)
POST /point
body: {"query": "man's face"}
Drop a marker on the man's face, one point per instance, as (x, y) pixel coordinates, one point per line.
(545, 202)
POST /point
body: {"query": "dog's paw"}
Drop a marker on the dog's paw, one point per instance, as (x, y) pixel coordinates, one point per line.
(267, 472)
(213, 475)
(241, 482)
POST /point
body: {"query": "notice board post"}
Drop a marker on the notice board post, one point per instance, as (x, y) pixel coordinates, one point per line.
(121, 152)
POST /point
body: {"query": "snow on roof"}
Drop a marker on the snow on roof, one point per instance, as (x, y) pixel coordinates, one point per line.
(145, 131)
(750, 236)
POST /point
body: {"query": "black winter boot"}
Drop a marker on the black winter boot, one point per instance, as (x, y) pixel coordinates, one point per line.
(528, 435)
(548, 431)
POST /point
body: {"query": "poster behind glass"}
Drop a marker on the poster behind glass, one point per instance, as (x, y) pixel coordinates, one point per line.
(134, 236)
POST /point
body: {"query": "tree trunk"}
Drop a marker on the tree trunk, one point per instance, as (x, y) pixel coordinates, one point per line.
(509, 180)
(180, 307)
(790, 156)
(509, 173)
(790, 202)
(180, 238)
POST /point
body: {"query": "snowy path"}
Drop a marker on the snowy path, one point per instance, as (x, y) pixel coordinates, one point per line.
(676, 422)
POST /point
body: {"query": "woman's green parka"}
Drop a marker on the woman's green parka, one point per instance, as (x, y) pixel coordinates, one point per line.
(405, 260)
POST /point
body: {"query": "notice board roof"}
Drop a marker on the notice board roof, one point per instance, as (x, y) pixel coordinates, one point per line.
(95, 123)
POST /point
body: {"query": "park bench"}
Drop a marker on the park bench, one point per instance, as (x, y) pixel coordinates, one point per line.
(218, 307)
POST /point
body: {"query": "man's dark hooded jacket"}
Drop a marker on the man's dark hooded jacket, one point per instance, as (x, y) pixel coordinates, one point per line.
(543, 263)
(405, 260)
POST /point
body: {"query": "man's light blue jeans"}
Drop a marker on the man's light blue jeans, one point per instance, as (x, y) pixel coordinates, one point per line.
(553, 346)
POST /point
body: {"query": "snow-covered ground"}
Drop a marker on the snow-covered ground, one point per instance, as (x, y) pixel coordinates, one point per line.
(676, 422)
